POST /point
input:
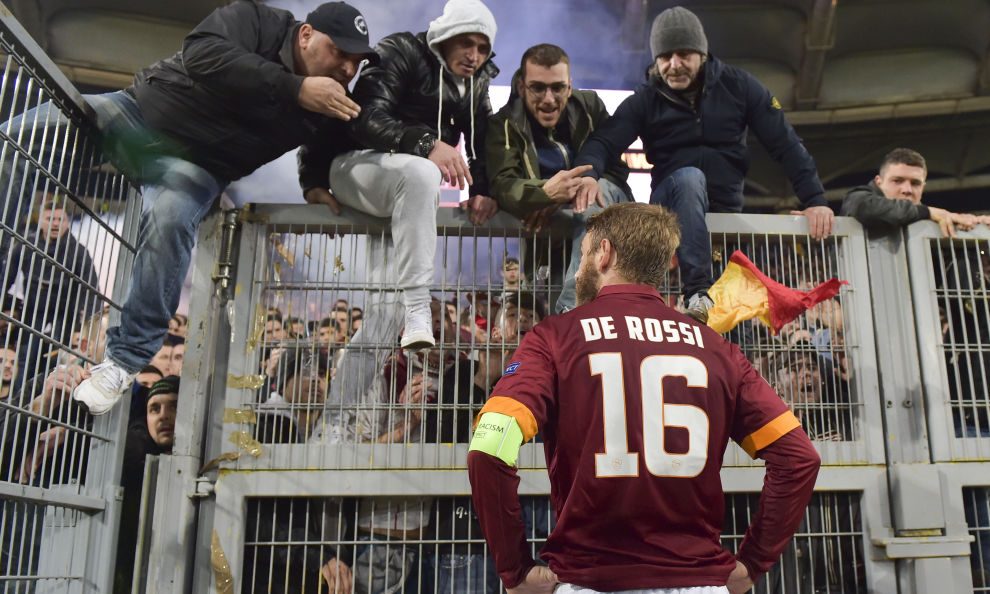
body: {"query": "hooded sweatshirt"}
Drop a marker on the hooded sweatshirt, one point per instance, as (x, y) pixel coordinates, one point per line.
(412, 93)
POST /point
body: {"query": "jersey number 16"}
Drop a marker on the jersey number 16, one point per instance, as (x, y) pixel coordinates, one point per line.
(617, 460)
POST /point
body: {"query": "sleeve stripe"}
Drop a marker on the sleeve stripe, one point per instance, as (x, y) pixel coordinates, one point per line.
(515, 409)
(769, 433)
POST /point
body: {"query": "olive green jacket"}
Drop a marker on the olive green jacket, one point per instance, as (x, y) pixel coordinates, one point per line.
(511, 160)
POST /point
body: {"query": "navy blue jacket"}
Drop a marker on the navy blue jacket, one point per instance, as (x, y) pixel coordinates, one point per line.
(713, 138)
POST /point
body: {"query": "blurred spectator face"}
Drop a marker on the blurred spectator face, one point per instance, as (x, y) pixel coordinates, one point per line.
(325, 334)
(355, 325)
(679, 69)
(273, 331)
(92, 346)
(341, 318)
(545, 91)
(801, 381)
(510, 274)
(298, 329)
(161, 418)
(898, 181)
(340, 304)
(163, 359)
(8, 365)
(451, 312)
(148, 378)
(175, 361)
(307, 386)
(52, 223)
(518, 321)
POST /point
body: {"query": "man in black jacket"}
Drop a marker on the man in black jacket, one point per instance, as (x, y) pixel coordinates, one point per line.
(429, 89)
(893, 199)
(249, 84)
(693, 115)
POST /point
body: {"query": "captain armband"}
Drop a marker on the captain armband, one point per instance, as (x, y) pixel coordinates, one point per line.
(498, 435)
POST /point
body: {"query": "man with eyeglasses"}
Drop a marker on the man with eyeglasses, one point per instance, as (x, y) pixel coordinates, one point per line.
(693, 114)
(531, 146)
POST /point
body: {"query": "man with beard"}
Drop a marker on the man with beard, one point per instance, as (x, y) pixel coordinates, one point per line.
(249, 84)
(531, 146)
(635, 410)
(693, 114)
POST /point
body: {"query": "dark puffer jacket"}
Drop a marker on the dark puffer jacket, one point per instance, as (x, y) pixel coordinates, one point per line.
(711, 137)
(229, 100)
(400, 102)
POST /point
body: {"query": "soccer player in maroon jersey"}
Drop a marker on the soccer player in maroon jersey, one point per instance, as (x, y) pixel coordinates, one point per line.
(636, 403)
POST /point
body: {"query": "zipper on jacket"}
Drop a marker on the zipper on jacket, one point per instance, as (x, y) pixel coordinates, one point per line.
(561, 148)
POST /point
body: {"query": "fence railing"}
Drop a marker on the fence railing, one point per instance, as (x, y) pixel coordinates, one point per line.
(377, 459)
(67, 228)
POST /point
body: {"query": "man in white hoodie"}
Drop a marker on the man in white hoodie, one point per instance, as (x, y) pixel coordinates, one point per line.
(428, 90)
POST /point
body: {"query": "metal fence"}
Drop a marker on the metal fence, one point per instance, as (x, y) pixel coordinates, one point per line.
(67, 230)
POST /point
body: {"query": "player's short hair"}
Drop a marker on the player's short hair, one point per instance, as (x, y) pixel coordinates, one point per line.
(544, 54)
(904, 156)
(644, 237)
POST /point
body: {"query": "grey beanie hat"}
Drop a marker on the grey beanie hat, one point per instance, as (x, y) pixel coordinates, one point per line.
(677, 28)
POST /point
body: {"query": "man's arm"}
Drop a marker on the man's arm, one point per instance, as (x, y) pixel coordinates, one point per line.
(614, 136)
(224, 52)
(615, 168)
(791, 469)
(776, 134)
(766, 118)
(871, 208)
(379, 91)
(494, 490)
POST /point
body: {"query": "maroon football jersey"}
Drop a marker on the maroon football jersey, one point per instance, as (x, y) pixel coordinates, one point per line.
(636, 403)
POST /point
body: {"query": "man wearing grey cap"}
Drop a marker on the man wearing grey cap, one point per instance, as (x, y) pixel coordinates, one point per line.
(249, 84)
(693, 114)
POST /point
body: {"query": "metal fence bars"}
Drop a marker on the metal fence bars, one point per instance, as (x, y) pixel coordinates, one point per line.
(67, 232)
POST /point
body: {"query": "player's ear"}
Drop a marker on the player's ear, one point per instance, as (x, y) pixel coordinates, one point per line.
(606, 256)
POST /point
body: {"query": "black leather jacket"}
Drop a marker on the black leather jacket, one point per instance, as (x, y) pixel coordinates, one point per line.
(399, 103)
(229, 100)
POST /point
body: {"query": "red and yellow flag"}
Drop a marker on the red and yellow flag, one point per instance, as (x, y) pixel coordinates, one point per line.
(743, 293)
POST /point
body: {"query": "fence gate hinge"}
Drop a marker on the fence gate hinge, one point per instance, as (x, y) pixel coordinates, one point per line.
(225, 261)
(204, 488)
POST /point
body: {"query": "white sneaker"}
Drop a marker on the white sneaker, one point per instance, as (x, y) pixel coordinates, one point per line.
(107, 384)
(698, 306)
(418, 333)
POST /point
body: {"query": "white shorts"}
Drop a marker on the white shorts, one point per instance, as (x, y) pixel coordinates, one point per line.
(571, 589)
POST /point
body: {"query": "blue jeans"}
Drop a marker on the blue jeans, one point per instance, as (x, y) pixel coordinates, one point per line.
(177, 195)
(472, 573)
(685, 192)
(611, 194)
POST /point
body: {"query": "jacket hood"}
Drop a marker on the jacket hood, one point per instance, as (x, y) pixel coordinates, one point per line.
(460, 16)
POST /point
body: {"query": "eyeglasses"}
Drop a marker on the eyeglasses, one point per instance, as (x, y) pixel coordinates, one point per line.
(537, 89)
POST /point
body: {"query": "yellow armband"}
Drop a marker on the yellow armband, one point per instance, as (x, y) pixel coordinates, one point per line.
(498, 435)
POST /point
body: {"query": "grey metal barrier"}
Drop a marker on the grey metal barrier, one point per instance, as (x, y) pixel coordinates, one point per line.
(67, 229)
(299, 425)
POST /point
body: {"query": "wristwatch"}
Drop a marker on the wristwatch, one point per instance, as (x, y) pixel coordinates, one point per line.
(425, 145)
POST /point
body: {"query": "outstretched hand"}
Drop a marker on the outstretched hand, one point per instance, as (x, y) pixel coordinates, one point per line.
(563, 187)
